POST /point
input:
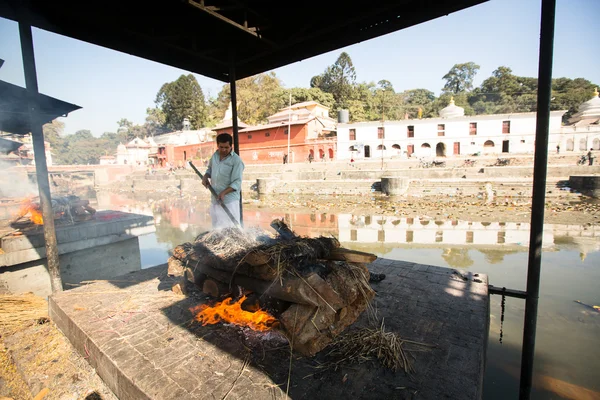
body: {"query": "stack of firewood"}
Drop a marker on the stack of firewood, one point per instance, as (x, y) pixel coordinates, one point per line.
(326, 287)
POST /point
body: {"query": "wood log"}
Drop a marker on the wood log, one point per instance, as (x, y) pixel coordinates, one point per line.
(352, 256)
(311, 290)
(215, 288)
(256, 258)
(179, 288)
(180, 252)
(282, 229)
(175, 267)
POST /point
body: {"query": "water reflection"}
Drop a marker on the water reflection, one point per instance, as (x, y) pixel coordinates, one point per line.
(181, 219)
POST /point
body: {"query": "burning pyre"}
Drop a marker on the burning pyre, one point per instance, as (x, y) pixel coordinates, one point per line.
(71, 208)
(323, 288)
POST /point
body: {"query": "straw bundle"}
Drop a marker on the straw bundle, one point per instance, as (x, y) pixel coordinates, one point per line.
(16, 310)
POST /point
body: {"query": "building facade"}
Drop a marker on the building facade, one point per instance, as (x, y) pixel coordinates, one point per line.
(454, 134)
(311, 133)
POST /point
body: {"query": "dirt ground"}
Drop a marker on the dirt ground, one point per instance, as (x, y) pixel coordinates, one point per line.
(567, 209)
(38, 362)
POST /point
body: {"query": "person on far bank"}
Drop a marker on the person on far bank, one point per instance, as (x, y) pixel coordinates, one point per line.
(590, 157)
(224, 173)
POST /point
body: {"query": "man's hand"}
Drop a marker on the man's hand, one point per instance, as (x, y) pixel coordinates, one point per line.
(222, 195)
(205, 181)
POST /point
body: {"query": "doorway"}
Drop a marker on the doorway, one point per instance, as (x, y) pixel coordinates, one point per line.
(456, 148)
(367, 151)
(505, 146)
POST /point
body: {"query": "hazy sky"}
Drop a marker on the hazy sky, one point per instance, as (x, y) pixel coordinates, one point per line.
(110, 85)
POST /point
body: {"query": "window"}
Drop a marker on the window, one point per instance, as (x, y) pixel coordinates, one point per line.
(285, 132)
(410, 131)
(522, 140)
(472, 143)
(505, 126)
(249, 136)
(441, 129)
(353, 235)
(380, 133)
(352, 134)
(381, 236)
(473, 128)
(267, 134)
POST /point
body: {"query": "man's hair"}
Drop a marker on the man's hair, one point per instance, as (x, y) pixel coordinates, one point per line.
(225, 137)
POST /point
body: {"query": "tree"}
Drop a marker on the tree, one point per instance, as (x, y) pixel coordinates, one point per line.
(53, 132)
(569, 94)
(338, 79)
(460, 77)
(258, 97)
(181, 99)
(418, 99)
(300, 95)
(155, 122)
(82, 148)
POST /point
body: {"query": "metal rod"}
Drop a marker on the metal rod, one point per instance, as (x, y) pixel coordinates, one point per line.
(214, 193)
(234, 123)
(540, 167)
(519, 294)
(39, 149)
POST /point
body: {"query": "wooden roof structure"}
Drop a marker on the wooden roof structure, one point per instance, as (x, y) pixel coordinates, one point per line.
(207, 36)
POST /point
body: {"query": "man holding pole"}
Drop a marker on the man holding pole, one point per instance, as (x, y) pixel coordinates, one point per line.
(224, 174)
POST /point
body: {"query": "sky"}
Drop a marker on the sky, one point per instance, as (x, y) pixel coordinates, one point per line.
(110, 85)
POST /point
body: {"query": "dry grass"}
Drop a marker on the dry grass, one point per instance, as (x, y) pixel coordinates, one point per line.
(17, 311)
(46, 358)
(13, 384)
(370, 344)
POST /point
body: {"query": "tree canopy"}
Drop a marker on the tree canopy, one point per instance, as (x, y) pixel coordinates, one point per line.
(181, 99)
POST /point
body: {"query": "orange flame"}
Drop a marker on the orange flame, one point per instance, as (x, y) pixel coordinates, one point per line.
(225, 311)
(34, 213)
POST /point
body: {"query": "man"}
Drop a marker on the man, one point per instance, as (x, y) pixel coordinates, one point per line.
(591, 157)
(224, 171)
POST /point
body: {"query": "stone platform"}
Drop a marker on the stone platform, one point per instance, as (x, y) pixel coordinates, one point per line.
(103, 247)
(143, 342)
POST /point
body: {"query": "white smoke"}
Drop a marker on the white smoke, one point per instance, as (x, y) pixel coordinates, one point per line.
(14, 182)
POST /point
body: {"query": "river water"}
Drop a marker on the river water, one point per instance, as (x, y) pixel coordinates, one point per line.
(567, 359)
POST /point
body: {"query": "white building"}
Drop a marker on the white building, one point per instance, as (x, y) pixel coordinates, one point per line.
(135, 152)
(454, 134)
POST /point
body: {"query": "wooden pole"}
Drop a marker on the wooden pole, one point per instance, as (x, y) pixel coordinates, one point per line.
(39, 149)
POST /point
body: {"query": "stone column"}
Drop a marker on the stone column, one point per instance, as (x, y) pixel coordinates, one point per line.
(394, 186)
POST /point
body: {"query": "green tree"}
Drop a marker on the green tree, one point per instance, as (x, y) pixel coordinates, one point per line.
(258, 97)
(415, 99)
(53, 134)
(338, 79)
(82, 148)
(182, 98)
(569, 94)
(300, 95)
(460, 77)
(156, 122)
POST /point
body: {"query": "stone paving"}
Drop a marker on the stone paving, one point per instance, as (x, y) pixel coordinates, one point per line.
(143, 342)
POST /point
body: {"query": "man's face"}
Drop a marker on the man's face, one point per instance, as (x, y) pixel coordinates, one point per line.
(224, 149)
